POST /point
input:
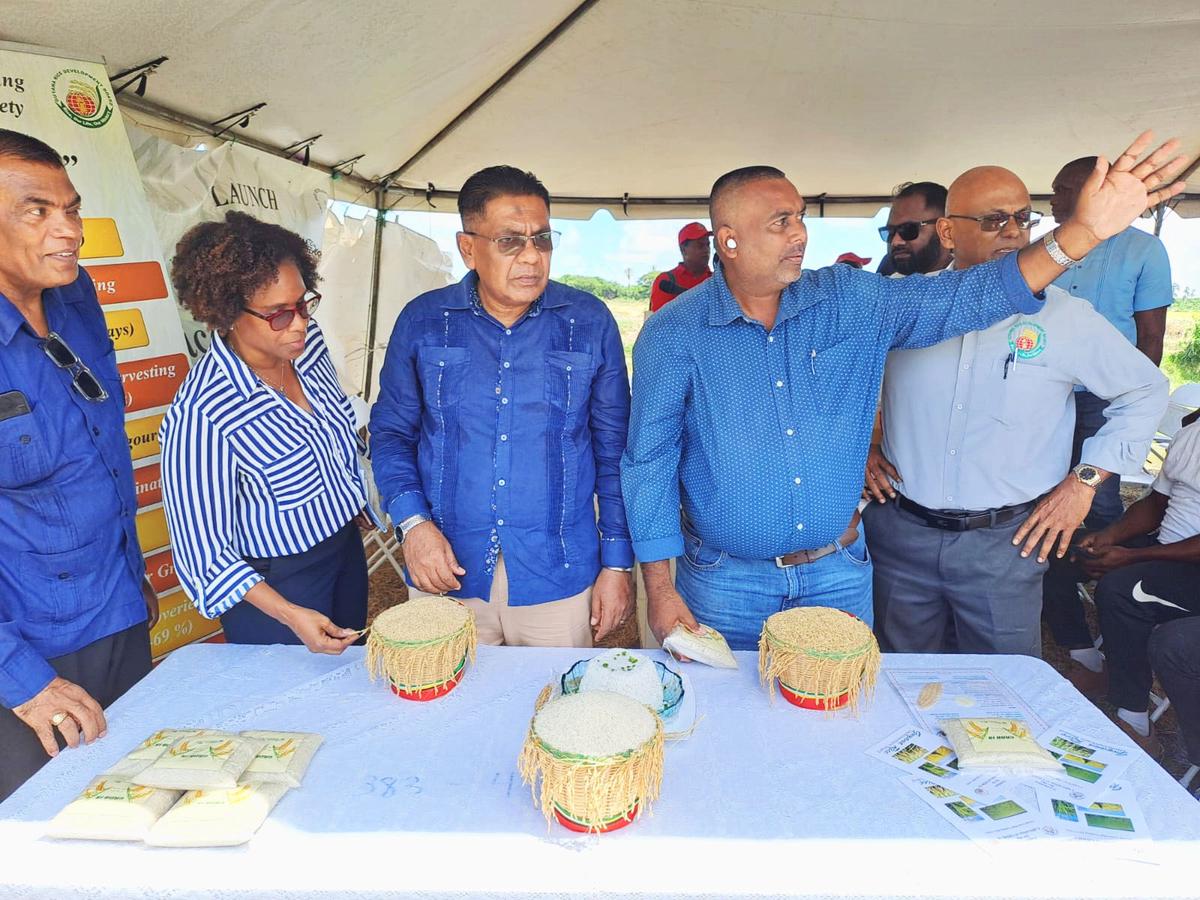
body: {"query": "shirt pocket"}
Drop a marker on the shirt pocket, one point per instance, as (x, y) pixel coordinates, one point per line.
(1026, 393)
(63, 585)
(25, 453)
(294, 478)
(443, 372)
(569, 380)
(833, 372)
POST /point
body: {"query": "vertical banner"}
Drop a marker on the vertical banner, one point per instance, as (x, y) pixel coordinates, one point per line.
(69, 104)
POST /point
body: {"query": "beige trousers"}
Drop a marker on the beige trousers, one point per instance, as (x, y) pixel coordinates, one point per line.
(559, 623)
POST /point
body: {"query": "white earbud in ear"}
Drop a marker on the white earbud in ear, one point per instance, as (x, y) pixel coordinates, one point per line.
(731, 243)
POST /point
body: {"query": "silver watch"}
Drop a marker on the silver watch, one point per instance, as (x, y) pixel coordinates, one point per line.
(409, 524)
(1056, 252)
(1088, 475)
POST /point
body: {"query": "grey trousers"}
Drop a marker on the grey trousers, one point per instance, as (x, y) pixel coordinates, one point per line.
(927, 579)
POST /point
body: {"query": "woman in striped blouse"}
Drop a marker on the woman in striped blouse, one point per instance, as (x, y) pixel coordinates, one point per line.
(261, 476)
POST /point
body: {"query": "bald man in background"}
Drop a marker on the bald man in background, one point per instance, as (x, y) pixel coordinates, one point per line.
(981, 427)
(795, 360)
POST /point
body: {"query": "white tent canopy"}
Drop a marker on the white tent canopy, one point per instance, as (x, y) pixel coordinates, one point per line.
(638, 106)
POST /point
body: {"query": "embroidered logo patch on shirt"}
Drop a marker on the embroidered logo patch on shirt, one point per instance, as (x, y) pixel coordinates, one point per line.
(1027, 339)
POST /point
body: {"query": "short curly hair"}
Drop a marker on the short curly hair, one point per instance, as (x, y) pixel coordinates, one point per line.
(218, 266)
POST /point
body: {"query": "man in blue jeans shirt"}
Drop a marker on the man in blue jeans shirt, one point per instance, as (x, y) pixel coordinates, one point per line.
(754, 395)
(73, 597)
(501, 419)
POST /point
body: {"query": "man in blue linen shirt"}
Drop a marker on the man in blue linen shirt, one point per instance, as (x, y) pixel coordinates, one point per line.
(73, 598)
(501, 419)
(755, 392)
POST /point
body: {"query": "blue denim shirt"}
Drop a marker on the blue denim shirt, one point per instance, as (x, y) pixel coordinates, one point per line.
(70, 566)
(508, 437)
(761, 435)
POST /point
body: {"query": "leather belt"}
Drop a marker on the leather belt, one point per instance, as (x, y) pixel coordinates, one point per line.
(804, 557)
(967, 520)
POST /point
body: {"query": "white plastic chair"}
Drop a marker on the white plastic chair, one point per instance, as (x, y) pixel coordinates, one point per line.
(1183, 400)
(1191, 773)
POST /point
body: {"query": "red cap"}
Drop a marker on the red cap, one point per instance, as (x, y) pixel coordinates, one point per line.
(859, 261)
(693, 231)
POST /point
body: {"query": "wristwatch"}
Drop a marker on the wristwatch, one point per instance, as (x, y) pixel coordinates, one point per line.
(409, 524)
(1088, 475)
(1056, 252)
(626, 570)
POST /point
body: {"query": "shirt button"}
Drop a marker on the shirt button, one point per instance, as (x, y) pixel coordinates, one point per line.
(25, 439)
(795, 480)
(508, 331)
(504, 437)
(568, 368)
(506, 364)
(494, 539)
(953, 452)
(497, 390)
(949, 497)
(790, 432)
(778, 384)
(442, 363)
(566, 565)
(572, 321)
(501, 482)
(114, 471)
(958, 406)
(499, 521)
(770, 338)
(95, 431)
(445, 314)
(503, 399)
(63, 576)
(966, 365)
(799, 526)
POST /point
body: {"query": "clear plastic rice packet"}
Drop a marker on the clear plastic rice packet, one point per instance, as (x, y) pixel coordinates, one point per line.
(708, 647)
(997, 743)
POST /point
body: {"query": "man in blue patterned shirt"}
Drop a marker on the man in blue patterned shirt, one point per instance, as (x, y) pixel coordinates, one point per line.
(755, 392)
(501, 419)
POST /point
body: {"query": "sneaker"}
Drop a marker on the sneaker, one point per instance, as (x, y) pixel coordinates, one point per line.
(1148, 742)
(1091, 684)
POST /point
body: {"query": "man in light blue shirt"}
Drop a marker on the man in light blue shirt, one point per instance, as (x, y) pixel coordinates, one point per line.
(979, 428)
(754, 395)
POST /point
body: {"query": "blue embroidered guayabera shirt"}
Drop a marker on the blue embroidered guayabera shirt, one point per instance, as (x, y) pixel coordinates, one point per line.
(507, 437)
(761, 435)
(70, 566)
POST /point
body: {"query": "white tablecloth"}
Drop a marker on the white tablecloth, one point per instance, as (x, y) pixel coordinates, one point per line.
(423, 799)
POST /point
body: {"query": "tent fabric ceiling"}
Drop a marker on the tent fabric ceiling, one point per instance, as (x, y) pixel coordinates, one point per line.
(654, 100)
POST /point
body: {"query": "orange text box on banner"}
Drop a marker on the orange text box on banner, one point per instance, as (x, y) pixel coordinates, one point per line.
(151, 525)
(128, 282)
(101, 239)
(147, 484)
(152, 382)
(142, 435)
(160, 569)
(127, 329)
(178, 624)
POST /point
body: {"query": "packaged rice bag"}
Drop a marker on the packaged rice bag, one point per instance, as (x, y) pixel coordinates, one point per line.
(151, 749)
(112, 809)
(218, 818)
(996, 743)
(285, 757)
(708, 647)
(197, 762)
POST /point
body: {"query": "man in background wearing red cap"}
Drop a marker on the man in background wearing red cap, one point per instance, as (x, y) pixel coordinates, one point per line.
(695, 248)
(853, 259)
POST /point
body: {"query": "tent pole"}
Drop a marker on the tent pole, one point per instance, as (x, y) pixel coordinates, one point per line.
(373, 308)
(1158, 218)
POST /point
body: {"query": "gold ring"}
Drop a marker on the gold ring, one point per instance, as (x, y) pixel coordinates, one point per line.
(58, 718)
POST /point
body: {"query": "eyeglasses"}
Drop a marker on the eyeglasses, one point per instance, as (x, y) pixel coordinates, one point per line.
(1025, 219)
(86, 384)
(514, 244)
(281, 319)
(908, 231)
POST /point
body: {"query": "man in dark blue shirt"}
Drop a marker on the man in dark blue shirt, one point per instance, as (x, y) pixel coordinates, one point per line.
(73, 597)
(501, 420)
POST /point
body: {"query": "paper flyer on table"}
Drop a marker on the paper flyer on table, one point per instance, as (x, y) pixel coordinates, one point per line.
(1114, 816)
(935, 694)
(994, 818)
(1090, 766)
(926, 754)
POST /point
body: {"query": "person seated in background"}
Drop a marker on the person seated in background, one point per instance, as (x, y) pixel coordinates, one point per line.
(262, 484)
(1175, 656)
(853, 259)
(1148, 566)
(694, 247)
(978, 429)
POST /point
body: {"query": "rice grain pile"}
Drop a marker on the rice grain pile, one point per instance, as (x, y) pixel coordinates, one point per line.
(422, 644)
(598, 757)
(623, 672)
(826, 657)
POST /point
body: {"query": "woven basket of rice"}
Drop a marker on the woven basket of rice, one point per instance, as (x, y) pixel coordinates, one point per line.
(597, 758)
(822, 658)
(422, 646)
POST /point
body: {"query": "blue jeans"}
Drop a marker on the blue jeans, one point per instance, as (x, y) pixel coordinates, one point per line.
(735, 596)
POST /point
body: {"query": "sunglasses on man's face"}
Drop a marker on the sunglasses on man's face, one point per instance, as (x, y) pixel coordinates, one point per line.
(908, 231)
(282, 318)
(1025, 219)
(86, 384)
(514, 244)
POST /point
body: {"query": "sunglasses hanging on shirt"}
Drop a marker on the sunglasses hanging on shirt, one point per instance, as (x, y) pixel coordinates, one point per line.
(86, 384)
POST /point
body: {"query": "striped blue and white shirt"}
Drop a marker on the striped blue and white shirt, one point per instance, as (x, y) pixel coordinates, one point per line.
(247, 473)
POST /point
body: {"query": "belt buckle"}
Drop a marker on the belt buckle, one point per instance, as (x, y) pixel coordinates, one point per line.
(780, 564)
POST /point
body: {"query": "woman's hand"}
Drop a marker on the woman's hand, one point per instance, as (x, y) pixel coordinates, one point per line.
(317, 631)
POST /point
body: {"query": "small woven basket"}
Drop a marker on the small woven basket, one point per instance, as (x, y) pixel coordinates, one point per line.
(420, 665)
(592, 794)
(822, 658)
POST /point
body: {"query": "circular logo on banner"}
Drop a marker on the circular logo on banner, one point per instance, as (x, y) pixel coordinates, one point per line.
(82, 98)
(1027, 340)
